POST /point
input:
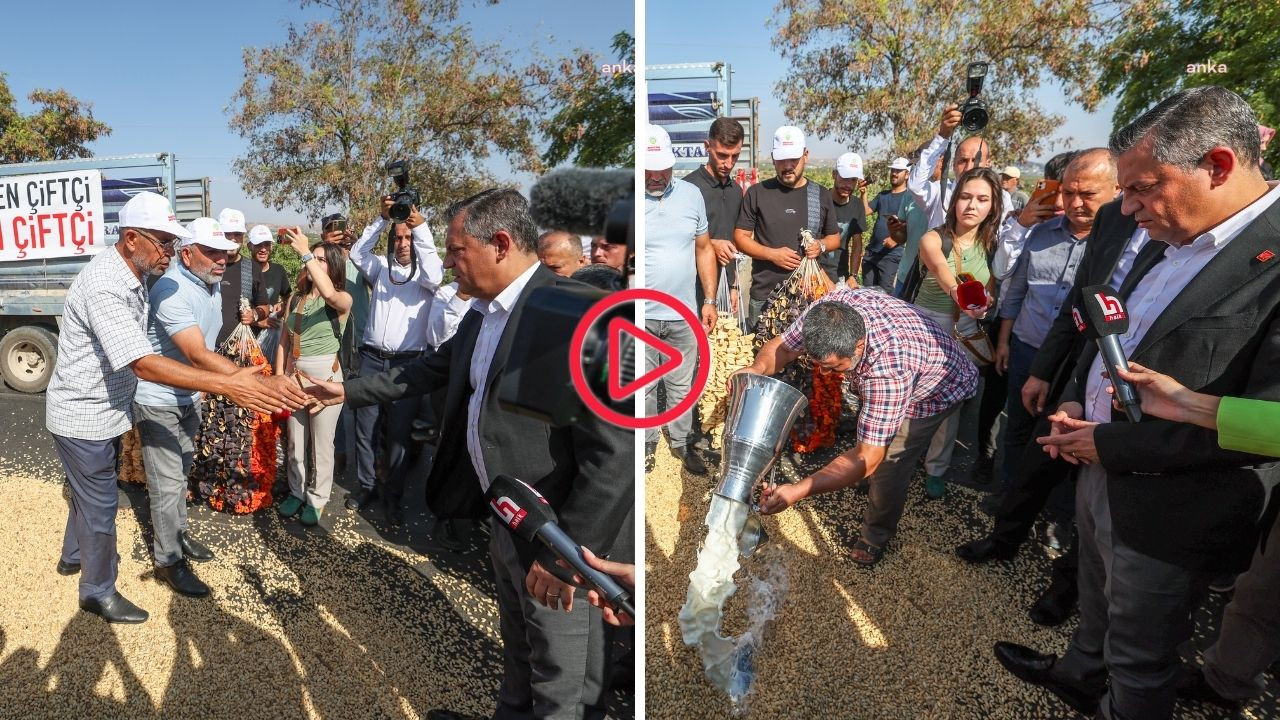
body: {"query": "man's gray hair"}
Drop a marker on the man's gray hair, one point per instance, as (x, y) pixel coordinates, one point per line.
(1185, 126)
(496, 209)
(832, 328)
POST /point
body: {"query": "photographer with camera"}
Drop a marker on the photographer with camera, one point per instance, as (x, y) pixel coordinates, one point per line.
(403, 287)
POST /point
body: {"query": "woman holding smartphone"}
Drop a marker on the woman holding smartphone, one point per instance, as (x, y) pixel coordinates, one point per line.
(956, 290)
(312, 327)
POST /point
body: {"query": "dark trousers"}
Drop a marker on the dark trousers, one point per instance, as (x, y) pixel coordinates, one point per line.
(1019, 423)
(90, 535)
(1029, 489)
(995, 390)
(1134, 612)
(553, 661)
(880, 272)
(393, 422)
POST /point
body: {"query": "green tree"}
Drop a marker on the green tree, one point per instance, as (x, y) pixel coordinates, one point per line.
(862, 69)
(595, 125)
(381, 80)
(60, 129)
(1158, 58)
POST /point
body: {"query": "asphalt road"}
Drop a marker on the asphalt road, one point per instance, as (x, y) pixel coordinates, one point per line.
(26, 447)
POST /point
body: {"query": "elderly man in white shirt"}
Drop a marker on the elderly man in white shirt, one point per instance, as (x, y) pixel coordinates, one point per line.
(395, 333)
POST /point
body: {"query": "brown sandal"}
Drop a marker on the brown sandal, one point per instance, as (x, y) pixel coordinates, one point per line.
(871, 551)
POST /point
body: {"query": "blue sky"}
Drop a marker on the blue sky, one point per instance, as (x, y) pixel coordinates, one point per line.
(679, 32)
(161, 73)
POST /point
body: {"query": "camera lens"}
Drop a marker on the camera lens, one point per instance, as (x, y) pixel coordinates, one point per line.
(974, 117)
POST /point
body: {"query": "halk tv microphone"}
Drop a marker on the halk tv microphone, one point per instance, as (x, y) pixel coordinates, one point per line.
(527, 514)
(1105, 319)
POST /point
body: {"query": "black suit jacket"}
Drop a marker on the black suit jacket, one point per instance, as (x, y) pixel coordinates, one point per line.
(586, 472)
(1175, 494)
(1055, 359)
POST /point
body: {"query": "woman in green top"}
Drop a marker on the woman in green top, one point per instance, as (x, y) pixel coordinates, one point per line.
(1251, 426)
(972, 223)
(312, 334)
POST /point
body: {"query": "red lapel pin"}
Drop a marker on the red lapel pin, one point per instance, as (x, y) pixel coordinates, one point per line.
(1265, 255)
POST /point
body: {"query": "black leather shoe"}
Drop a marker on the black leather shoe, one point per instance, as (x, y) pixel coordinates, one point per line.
(1192, 685)
(1054, 606)
(451, 715)
(446, 533)
(182, 580)
(982, 471)
(690, 459)
(193, 549)
(649, 459)
(391, 509)
(66, 568)
(115, 609)
(1033, 667)
(985, 550)
(360, 497)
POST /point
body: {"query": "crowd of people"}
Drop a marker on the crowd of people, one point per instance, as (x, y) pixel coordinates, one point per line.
(964, 294)
(372, 341)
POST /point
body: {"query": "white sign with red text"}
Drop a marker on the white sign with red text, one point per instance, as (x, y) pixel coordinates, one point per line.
(51, 215)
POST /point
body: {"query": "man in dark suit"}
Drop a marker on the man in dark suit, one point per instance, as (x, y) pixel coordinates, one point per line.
(1160, 506)
(1109, 253)
(554, 655)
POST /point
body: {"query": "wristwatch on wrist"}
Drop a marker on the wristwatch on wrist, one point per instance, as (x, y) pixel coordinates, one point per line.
(308, 258)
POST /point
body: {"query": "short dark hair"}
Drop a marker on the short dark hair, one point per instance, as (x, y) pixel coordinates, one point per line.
(1188, 124)
(830, 328)
(726, 131)
(1058, 164)
(489, 211)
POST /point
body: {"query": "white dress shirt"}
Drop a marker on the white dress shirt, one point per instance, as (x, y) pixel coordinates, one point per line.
(447, 310)
(496, 313)
(398, 313)
(1160, 286)
(1137, 241)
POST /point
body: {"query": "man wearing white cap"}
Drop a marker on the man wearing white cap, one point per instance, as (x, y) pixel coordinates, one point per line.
(237, 281)
(677, 250)
(186, 313)
(271, 289)
(102, 352)
(1010, 176)
(774, 212)
(884, 253)
(848, 181)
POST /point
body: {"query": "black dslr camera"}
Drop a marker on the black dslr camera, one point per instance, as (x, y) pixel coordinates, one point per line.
(974, 112)
(405, 198)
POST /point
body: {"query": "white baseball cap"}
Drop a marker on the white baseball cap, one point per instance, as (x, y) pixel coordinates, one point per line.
(208, 232)
(788, 143)
(900, 163)
(1011, 171)
(259, 234)
(151, 211)
(231, 220)
(657, 150)
(849, 165)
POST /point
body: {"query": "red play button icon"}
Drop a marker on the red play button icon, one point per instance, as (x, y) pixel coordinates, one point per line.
(621, 333)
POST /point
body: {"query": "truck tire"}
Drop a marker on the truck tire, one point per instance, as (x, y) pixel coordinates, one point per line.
(27, 355)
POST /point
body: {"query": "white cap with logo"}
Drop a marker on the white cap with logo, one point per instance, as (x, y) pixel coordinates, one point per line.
(208, 232)
(259, 234)
(900, 163)
(231, 220)
(657, 149)
(1011, 171)
(849, 165)
(788, 143)
(151, 211)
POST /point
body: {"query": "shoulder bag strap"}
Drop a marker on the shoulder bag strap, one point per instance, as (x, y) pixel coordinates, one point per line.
(813, 199)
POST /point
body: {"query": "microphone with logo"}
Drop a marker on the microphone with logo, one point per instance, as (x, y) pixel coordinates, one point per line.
(1105, 319)
(527, 514)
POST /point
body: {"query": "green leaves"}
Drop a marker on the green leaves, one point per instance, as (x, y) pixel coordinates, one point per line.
(60, 129)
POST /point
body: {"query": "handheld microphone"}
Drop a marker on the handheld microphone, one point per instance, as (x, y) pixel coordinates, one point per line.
(578, 200)
(527, 514)
(1104, 319)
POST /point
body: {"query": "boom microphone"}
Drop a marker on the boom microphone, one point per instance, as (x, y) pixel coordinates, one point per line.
(577, 200)
(1105, 319)
(527, 514)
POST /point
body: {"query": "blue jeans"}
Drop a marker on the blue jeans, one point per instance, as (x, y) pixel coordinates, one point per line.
(679, 335)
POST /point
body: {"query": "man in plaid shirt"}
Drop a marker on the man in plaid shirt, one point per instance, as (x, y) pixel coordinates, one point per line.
(910, 376)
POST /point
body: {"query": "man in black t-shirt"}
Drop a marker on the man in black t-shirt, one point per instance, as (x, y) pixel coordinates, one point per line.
(773, 213)
(883, 254)
(234, 284)
(849, 196)
(720, 194)
(270, 281)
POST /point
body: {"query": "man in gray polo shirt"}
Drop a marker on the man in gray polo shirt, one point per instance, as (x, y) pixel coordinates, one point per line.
(102, 351)
(186, 313)
(676, 249)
